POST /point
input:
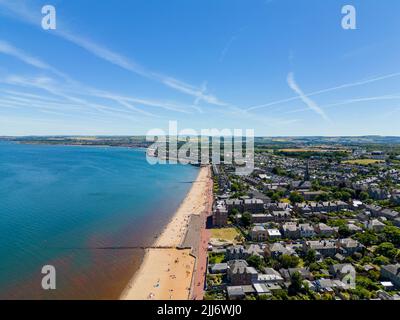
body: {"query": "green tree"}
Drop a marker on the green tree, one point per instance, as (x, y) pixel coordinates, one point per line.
(367, 238)
(364, 195)
(381, 260)
(387, 249)
(278, 171)
(256, 262)
(314, 267)
(361, 293)
(367, 283)
(216, 257)
(296, 284)
(275, 197)
(322, 197)
(330, 261)
(345, 196)
(280, 295)
(311, 257)
(392, 235)
(296, 197)
(235, 187)
(374, 275)
(344, 231)
(246, 219)
(288, 261)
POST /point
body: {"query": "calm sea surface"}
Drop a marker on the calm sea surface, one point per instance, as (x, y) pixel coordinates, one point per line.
(70, 206)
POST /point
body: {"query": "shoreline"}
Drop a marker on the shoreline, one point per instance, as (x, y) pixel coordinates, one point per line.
(140, 148)
(167, 270)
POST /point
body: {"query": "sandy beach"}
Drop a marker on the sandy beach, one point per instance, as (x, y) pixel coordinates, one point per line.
(168, 266)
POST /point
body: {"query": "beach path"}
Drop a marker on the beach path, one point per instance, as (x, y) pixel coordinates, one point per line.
(167, 271)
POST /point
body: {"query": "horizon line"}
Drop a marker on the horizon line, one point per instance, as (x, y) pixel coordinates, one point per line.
(143, 135)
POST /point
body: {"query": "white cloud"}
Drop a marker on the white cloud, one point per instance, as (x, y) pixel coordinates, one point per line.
(49, 85)
(343, 86)
(78, 88)
(310, 103)
(350, 101)
(8, 49)
(20, 10)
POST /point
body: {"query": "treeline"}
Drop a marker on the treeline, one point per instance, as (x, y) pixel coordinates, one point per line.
(334, 156)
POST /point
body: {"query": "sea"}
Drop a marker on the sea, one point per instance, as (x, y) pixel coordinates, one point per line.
(89, 212)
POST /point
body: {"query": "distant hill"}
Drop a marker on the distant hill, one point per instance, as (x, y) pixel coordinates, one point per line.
(271, 141)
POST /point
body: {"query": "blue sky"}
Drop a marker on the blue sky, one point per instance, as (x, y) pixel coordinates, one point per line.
(280, 67)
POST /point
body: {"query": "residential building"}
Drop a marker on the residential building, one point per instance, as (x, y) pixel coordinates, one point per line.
(311, 195)
(349, 246)
(219, 268)
(339, 271)
(329, 285)
(325, 230)
(235, 292)
(391, 272)
(220, 215)
(290, 230)
(273, 234)
(281, 216)
(375, 225)
(234, 204)
(306, 230)
(255, 250)
(288, 273)
(239, 273)
(261, 217)
(258, 233)
(277, 249)
(235, 253)
(253, 205)
(326, 248)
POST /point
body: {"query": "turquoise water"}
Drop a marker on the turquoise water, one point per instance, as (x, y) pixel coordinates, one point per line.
(61, 205)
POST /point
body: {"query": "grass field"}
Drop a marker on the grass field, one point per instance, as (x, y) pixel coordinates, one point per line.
(216, 257)
(226, 234)
(363, 162)
(298, 150)
(321, 150)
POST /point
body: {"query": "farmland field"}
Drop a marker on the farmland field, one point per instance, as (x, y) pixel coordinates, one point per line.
(363, 161)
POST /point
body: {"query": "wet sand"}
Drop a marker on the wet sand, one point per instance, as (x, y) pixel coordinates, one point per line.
(167, 269)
